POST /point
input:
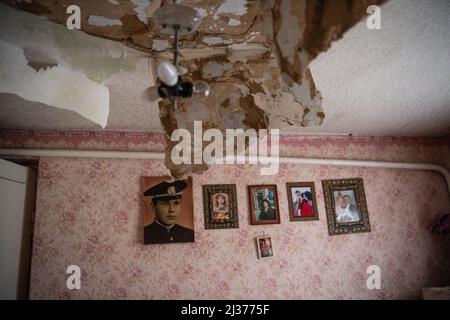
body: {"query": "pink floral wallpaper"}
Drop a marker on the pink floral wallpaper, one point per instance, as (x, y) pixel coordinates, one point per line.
(89, 213)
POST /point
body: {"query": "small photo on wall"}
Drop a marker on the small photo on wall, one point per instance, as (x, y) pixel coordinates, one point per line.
(168, 210)
(264, 245)
(220, 206)
(346, 207)
(264, 204)
(302, 201)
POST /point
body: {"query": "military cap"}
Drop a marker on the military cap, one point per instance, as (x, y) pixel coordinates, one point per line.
(167, 189)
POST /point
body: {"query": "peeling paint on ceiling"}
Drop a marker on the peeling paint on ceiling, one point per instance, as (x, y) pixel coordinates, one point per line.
(55, 86)
(160, 45)
(103, 22)
(234, 7)
(264, 59)
(76, 56)
(141, 9)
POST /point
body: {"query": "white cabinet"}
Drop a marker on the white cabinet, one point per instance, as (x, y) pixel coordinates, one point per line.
(17, 202)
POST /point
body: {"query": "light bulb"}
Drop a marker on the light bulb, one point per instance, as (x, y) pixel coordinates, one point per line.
(201, 88)
(167, 73)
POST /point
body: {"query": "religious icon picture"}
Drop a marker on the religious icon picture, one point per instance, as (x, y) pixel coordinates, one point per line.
(263, 204)
(264, 245)
(346, 206)
(302, 201)
(168, 210)
(220, 206)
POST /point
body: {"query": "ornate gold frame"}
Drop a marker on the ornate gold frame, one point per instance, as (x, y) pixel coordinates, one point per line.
(355, 184)
(229, 189)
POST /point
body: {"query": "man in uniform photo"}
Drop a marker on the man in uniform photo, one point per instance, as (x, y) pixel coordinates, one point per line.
(166, 201)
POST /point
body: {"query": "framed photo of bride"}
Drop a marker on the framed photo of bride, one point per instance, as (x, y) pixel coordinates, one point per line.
(346, 207)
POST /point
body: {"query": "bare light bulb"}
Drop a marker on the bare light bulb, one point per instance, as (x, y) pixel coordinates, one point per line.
(201, 88)
(167, 73)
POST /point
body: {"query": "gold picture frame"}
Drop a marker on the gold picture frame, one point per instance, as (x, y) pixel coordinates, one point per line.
(220, 206)
(346, 206)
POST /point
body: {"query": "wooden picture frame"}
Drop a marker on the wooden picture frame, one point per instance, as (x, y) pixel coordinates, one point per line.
(346, 206)
(302, 201)
(258, 195)
(220, 206)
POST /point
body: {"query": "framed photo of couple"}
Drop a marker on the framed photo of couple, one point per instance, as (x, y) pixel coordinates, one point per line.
(346, 206)
(302, 201)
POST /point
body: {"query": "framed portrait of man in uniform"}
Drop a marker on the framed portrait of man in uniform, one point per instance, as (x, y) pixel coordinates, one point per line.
(168, 210)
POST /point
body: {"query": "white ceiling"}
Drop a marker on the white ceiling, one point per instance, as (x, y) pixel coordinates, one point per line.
(389, 82)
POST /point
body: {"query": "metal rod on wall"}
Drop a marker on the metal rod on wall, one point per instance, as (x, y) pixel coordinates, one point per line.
(284, 160)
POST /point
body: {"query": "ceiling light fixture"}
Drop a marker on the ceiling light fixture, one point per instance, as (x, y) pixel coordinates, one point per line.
(179, 20)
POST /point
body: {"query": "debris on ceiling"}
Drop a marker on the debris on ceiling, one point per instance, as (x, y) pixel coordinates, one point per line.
(51, 84)
(254, 54)
(49, 64)
(256, 89)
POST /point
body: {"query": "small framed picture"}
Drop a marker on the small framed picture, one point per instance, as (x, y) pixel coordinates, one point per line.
(265, 248)
(220, 206)
(346, 207)
(302, 201)
(263, 204)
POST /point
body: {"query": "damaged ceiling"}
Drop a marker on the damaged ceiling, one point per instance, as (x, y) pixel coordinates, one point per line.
(367, 82)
